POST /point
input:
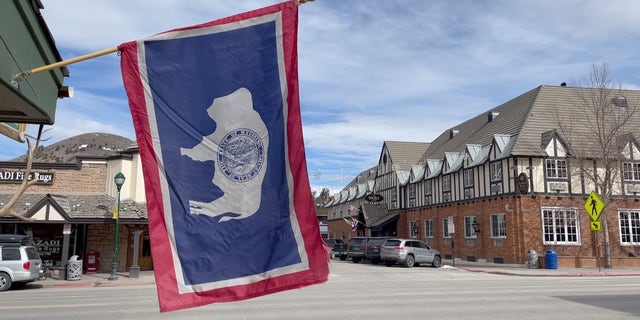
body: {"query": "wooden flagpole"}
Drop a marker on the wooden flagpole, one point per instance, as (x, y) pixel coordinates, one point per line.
(24, 74)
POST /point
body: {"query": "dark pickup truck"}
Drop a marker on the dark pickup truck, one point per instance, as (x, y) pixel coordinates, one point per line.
(338, 248)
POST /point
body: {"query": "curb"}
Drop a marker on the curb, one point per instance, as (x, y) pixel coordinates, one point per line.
(556, 274)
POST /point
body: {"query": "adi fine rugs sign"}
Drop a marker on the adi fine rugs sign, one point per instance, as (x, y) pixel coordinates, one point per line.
(18, 176)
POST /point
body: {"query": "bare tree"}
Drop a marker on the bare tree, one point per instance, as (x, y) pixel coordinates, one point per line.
(596, 137)
(26, 183)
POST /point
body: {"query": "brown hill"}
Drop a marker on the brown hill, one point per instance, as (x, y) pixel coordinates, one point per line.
(94, 144)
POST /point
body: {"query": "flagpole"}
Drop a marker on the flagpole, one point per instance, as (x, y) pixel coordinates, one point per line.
(24, 74)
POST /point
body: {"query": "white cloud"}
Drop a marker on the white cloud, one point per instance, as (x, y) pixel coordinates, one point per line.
(369, 71)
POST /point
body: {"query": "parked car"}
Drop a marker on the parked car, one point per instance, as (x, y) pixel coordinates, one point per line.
(338, 248)
(409, 252)
(356, 248)
(19, 263)
(373, 249)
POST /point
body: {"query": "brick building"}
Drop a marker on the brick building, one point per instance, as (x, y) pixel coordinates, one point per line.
(70, 210)
(513, 179)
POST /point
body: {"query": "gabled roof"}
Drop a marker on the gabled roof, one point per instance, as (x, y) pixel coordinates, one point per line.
(434, 167)
(480, 131)
(403, 177)
(417, 173)
(362, 190)
(454, 161)
(75, 207)
(480, 155)
(403, 154)
(353, 192)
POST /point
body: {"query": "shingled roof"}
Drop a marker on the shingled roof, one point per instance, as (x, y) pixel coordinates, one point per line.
(77, 207)
(404, 154)
(527, 118)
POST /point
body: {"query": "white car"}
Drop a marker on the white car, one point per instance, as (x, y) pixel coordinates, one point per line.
(19, 264)
(409, 252)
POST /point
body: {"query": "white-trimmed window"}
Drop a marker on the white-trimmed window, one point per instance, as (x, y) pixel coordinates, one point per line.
(495, 169)
(469, 231)
(445, 228)
(468, 178)
(556, 168)
(631, 171)
(498, 225)
(629, 227)
(560, 226)
(428, 228)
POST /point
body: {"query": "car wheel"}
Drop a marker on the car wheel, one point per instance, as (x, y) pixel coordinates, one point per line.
(437, 262)
(388, 263)
(343, 258)
(5, 281)
(356, 260)
(409, 261)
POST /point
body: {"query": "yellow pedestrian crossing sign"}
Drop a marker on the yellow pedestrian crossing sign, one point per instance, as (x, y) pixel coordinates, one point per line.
(594, 206)
(596, 226)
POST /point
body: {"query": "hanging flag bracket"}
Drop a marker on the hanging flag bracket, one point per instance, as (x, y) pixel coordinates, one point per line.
(15, 82)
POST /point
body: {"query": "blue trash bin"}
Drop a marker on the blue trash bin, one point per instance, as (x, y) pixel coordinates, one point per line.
(551, 259)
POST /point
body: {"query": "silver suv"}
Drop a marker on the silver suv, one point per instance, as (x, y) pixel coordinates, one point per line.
(19, 263)
(409, 252)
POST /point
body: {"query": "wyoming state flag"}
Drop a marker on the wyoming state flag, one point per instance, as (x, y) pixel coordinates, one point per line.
(217, 118)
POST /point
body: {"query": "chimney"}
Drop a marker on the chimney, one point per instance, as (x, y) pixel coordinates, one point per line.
(492, 115)
(453, 132)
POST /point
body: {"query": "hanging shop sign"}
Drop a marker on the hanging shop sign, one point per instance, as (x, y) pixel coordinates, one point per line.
(373, 197)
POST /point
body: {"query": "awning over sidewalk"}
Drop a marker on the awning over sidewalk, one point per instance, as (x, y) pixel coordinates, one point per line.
(373, 212)
(380, 223)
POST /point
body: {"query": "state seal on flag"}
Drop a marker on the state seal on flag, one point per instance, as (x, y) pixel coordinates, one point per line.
(241, 155)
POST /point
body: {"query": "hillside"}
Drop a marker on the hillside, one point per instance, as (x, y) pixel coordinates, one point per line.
(94, 144)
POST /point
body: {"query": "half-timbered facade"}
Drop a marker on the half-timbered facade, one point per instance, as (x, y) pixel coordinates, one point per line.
(517, 178)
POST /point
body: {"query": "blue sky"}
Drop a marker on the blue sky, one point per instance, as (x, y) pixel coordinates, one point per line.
(370, 70)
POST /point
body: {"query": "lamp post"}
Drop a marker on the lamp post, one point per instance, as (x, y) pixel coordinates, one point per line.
(119, 181)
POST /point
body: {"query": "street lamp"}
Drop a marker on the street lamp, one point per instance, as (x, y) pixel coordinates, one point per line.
(119, 181)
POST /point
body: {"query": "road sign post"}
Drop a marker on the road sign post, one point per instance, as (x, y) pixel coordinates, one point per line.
(594, 207)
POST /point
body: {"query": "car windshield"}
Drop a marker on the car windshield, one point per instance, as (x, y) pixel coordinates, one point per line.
(357, 241)
(392, 243)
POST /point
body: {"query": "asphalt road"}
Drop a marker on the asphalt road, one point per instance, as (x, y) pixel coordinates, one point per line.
(359, 291)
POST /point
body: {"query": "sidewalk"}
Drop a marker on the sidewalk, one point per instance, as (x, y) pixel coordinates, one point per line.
(564, 272)
(100, 280)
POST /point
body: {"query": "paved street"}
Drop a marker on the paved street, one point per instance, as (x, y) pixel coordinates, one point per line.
(356, 291)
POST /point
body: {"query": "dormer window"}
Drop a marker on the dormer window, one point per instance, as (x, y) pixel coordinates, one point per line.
(446, 183)
(496, 171)
(556, 168)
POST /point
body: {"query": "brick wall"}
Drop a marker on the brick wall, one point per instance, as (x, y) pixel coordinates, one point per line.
(101, 239)
(524, 230)
(90, 178)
